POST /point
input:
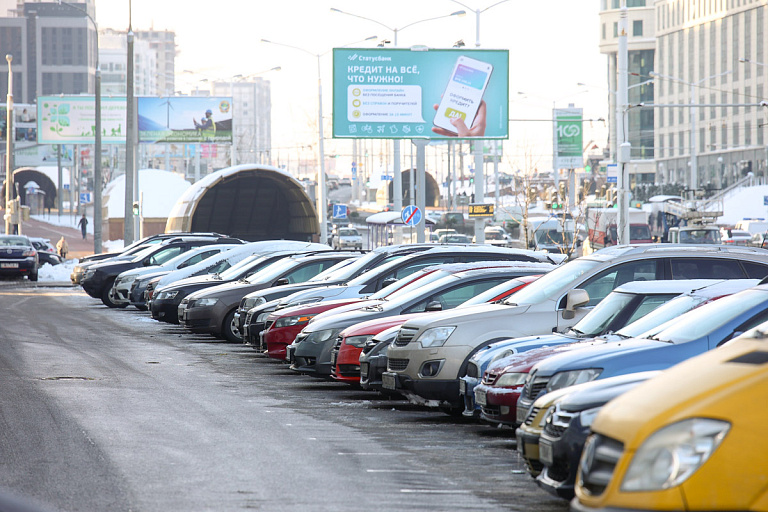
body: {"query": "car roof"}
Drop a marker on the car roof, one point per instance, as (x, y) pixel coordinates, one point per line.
(621, 251)
(456, 268)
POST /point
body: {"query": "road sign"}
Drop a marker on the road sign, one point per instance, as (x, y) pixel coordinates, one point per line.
(481, 210)
(411, 215)
(339, 211)
(765, 200)
(85, 197)
(386, 177)
(612, 173)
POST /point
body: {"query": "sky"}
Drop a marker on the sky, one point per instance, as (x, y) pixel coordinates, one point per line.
(553, 47)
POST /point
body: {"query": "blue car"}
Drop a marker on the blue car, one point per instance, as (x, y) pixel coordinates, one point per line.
(621, 307)
(694, 333)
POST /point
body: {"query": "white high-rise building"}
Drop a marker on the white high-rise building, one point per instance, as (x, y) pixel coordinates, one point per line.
(252, 117)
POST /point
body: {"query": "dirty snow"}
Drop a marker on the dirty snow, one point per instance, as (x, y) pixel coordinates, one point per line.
(56, 273)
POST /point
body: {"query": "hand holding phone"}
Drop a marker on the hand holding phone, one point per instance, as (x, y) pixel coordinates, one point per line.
(477, 130)
(463, 97)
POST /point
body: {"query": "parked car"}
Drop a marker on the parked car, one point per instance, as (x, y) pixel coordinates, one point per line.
(125, 281)
(454, 239)
(621, 307)
(384, 274)
(505, 374)
(99, 278)
(347, 238)
(350, 354)
(46, 252)
(567, 425)
(691, 334)
(698, 445)
(18, 257)
(231, 266)
(432, 352)
(212, 310)
(311, 350)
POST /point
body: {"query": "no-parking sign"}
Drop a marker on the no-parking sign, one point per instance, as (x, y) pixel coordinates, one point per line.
(411, 215)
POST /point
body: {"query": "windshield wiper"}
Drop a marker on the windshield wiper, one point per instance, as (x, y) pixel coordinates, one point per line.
(216, 276)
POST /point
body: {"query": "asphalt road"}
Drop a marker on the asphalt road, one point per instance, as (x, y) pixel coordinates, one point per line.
(109, 410)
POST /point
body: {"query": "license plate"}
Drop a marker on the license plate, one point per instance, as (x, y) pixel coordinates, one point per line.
(388, 381)
(363, 370)
(289, 354)
(521, 413)
(9, 265)
(520, 445)
(545, 452)
(184, 316)
(480, 397)
(333, 359)
(462, 387)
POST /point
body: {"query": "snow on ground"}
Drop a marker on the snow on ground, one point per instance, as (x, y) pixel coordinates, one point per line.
(66, 220)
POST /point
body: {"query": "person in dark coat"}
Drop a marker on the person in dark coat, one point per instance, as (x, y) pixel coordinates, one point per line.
(83, 223)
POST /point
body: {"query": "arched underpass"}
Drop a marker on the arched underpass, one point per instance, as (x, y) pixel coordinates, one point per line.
(252, 202)
(432, 192)
(24, 175)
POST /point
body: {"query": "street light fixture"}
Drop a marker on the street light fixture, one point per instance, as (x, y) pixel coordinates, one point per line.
(694, 178)
(321, 199)
(97, 220)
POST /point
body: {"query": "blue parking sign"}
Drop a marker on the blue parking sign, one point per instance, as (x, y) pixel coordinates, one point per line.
(411, 215)
(339, 211)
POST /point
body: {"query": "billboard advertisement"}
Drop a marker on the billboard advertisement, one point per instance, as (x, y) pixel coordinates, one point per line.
(568, 138)
(434, 94)
(24, 123)
(186, 119)
(72, 120)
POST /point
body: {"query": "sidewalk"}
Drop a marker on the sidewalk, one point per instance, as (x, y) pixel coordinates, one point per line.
(77, 246)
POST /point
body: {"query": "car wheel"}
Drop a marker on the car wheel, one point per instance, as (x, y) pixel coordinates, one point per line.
(141, 307)
(33, 276)
(230, 329)
(107, 296)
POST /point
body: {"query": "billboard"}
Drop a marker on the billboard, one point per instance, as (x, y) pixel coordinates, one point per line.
(568, 138)
(186, 119)
(405, 94)
(72, 120)
(24, 123)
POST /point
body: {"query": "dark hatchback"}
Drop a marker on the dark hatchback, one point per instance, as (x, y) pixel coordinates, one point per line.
(18, 257)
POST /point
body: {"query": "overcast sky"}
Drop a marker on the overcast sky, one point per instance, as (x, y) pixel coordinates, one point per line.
(553, 46)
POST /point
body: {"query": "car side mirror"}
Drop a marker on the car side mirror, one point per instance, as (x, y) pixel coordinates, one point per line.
(281, 282)
(574, 299)
(435, 305)
(146, 262)
(388, 282)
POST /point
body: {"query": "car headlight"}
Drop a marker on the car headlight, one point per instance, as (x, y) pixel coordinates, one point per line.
(436, 336)
(565, 379)
(203, 303)
(287, 321)
(252, 302)
(262, 317)
(29, 253)
(126, 280)
(301, 302)
(322, 336)
(89, 274)
(673, 453)
(358, 341)
(510, 380)
(167, 295)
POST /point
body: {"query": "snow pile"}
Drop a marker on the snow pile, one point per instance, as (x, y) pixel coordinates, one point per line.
(61, 272)
(747, 202)
(161, 190)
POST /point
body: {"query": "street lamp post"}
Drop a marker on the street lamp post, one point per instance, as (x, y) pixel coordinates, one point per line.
(9, 148)
(397, 178)
(97, 199)
(321, 196)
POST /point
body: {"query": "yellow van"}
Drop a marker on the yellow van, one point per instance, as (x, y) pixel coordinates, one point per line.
(693, 438)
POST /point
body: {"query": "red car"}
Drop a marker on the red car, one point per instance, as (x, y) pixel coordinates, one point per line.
(345, 357)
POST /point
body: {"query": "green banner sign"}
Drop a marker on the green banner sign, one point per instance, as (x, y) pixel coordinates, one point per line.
(408, 93)
(568, 137)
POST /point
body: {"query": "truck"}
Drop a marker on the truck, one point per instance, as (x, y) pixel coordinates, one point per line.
(552, 233)
(602, 230)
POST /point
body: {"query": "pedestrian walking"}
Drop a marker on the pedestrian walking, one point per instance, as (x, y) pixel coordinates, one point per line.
(63, 247)
(83, 223)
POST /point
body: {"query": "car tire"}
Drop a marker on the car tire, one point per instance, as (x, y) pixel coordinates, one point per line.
(107, 297)
(229, 330)
(33, 276)
(142, 307)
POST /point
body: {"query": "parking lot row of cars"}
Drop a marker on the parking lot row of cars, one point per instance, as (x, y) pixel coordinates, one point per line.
(567, 354)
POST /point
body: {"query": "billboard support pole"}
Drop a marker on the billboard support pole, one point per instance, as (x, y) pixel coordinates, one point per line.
(421, 193)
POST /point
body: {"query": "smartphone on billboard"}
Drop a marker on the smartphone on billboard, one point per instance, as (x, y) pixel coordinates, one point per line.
(463, 93)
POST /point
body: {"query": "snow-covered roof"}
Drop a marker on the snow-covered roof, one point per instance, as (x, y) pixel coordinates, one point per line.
(161, 190)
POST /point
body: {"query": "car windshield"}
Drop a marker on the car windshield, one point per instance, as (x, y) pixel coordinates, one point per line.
(357, 266)
(331, 273)
(551, 283)
(411, 282)
(700, 236)
(14, 240)
(348, 232)
(552, 236)
(271, 271)
(710, 317)
(146, 251)
(650, 324)
(494, 235)
(599, 319)
(489, 294)
(238, 269)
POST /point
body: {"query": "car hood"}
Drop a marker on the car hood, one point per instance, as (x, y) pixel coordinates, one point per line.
(622, 357)
(325, 293)
(313, 309)
(479, 313)
(286, 290)
(599, 392)
(140, 271)
(344, 320)
(378, 325)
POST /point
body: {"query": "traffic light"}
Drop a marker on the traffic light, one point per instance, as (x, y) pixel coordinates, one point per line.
(135, 208)
(554, 205)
